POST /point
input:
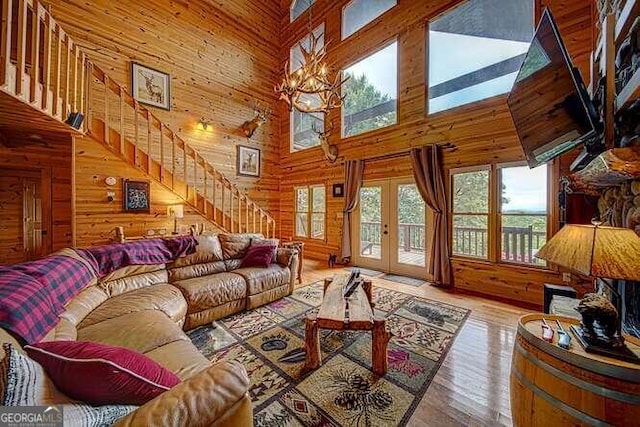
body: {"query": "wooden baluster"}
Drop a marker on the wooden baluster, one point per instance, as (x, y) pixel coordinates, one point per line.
(239, 212)
(121, 101)
(186, 177)
(56, 71)
(83, 60)
(136, 133)
(89, 118)
(204, 188)
(261, 219)
(253, 206)
(173, 160)
(46, 63)
(214, 179)
(107, 133)
(34, 85)
(231, 208)
(246, 214)
(74, 95)
(5, 49)
(195, 177)
(161, 152)
(149, 117)
(222, 219)
(22, 46)
(67, 72)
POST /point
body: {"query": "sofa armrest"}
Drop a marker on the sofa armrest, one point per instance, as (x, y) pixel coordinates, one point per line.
(200, 400)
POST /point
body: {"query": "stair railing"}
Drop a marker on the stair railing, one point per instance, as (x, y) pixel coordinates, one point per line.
(40, 64)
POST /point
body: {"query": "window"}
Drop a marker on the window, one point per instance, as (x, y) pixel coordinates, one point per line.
(371, 91)
(470, 216)
(302, 131)
(359, 13)
(475, 51)
(521, 218)
(298, 7)
(310, 204)
(523, 213)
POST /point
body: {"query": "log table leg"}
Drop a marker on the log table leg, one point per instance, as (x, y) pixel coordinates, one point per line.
(327, 282)
(379, 346)
(311, 343)
(368, 290)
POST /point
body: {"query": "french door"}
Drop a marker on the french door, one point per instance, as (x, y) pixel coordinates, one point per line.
(390, 228)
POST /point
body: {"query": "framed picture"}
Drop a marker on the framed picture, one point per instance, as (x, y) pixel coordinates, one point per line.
(248, 161)
(136, 196)
(338, 190)
(151, 87)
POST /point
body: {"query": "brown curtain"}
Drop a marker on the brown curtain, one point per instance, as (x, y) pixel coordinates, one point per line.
(353, 175)
(427, 172)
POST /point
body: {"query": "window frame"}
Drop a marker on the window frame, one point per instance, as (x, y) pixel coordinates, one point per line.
(494, 223)
(310, 211)
(386, 43)
(342, 36)
(291, 7)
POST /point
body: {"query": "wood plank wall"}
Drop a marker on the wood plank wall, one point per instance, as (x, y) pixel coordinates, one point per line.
(221, 55)
(51, 158)
(96, 216)
(481, 133)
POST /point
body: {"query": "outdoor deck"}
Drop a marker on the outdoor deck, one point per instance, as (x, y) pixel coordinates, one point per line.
(412, 257)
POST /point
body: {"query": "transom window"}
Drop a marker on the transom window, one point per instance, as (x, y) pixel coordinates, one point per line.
(521, 219)
(298, 7)
(310, 204)
(304, 126)
(359, 13)
(371, 92)
(476, 49)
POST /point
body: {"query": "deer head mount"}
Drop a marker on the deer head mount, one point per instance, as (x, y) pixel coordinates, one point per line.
(261, 114)
(330, 150)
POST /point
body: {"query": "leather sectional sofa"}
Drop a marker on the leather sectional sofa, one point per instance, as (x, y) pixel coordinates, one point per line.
(147, 307)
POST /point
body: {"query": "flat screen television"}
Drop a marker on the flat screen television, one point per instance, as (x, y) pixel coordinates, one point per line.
(549, 104)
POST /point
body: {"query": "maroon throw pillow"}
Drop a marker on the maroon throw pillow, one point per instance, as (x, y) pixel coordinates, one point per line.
(100, 374)
(258, 256)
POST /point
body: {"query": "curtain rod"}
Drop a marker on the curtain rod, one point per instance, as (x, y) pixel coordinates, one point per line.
(444, 145)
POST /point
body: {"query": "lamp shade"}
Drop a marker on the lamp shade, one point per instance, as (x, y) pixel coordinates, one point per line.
(597, 251)
(176, 211)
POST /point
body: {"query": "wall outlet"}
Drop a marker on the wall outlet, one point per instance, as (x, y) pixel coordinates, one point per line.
(566, 277)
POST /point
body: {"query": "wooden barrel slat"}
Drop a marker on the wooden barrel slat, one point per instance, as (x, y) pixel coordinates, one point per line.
(552, 386)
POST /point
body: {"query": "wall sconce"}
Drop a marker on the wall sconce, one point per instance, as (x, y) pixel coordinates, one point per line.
(175, 211)
(204, 125)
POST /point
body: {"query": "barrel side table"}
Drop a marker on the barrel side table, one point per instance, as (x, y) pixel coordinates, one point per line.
(551, 386)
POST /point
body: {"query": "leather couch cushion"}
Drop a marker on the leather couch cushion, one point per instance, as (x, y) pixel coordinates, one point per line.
(84, 303)
(236, 245)
(206, 292)
(260, 279)
(180, 357)
(166, 298)
(142, 331)
(131, 270)
(208, 250)
(64, 331)
(133, 282)
(196, 270)
(232, 264)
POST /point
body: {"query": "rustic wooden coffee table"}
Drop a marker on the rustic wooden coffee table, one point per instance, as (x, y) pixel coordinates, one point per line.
(354, 313)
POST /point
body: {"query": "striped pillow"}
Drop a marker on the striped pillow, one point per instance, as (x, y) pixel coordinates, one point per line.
(23, 382)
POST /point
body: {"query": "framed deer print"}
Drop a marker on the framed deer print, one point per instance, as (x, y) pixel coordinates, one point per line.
(248, 161)
(151, 87)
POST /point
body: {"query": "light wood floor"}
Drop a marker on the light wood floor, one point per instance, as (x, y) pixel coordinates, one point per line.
(471, 387)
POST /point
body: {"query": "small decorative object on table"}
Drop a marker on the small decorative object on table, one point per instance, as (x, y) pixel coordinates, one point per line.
(136, 196)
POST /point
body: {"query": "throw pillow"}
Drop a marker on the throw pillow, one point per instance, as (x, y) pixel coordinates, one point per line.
(258, 256)
(118, 375)
(23, 382)
(235, 245)
(266, 242)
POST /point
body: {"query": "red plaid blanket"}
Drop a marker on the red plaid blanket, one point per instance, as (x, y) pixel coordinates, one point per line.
(109, 258)
(33, 294)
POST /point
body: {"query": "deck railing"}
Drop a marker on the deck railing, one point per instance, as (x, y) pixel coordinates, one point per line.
(519, 244)
(40, 64)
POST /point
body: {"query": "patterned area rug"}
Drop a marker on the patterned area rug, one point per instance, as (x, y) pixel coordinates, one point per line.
(366, 271)
(403, 279)
(269, 342)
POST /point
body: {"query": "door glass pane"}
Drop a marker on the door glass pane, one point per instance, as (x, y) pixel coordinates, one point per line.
(411, 226)
(301, 224)
(470, 235)
(370, 222)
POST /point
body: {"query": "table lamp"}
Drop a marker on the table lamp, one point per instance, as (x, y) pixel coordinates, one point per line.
(175, 211)
(597, 251)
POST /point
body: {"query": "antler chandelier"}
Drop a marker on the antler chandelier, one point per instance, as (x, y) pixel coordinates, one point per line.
(309, 89)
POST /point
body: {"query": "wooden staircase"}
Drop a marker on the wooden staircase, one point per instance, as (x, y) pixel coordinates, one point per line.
(47, 76)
